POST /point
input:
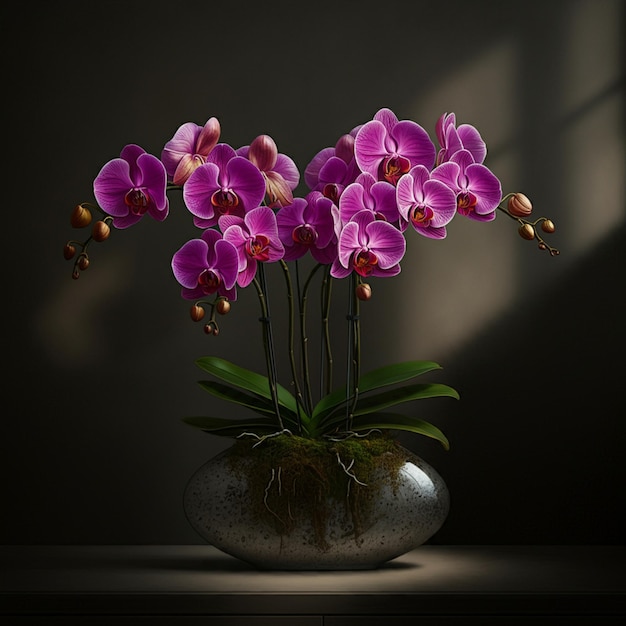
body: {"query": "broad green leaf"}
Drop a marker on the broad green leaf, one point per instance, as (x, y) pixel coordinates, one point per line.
(225, 427)
(393, 421)
(392, 397)
(375, 379)
(256, 403)
(245, 379)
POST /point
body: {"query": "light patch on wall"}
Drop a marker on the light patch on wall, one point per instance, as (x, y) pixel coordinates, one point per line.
(462, 283)
(481, 90)
(593, 31)
(595, 163)
(592, 135)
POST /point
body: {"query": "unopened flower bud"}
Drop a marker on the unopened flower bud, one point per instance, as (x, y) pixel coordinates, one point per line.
(69, 251)
(526, 231)
(101, 231)
(519, 205)
(80, 217)
(196, 312)
(75, 274)
(363, 291)
(222, 306)
(547, 226)
(83, 261)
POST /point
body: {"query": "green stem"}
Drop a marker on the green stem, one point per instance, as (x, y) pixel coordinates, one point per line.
(268, 341)
(303, 337)
(353, 360)
(292, 359)
(327, 349)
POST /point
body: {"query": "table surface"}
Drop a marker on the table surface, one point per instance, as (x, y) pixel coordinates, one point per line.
(199, 579)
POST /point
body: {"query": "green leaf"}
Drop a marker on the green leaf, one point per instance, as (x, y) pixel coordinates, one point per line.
(371, 404)
(254, 402)
(393, 421)
(381, 377)
(246, 379)
(225, 427)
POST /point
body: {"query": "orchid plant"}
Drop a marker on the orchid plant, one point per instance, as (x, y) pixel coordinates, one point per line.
(382, 182)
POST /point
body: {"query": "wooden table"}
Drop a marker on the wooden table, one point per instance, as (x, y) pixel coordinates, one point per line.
(189, 585)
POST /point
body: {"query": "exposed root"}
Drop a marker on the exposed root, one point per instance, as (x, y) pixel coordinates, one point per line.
(261, 439)
(267, 491)
(347, 470)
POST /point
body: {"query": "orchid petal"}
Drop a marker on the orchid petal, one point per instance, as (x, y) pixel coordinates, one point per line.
(208, 137)
(111, 185)
(199, 188)
(286, 167)
(189, 261)
(387, 242)
(472, 141)
(369, 146)
(414, 143)
(311, 172)
(247, 182)
(263, 153)
(182, 143)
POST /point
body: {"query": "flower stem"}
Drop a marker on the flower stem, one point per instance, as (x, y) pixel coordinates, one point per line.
(327, 349)
(268, 340)
(353, 360)
(292, 360)
(305, 341)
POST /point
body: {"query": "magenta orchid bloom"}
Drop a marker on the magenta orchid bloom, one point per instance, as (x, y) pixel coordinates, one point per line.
(370, 247)
(478, 191)
(279, 171)
(308, 225)
(331, 170)
(427, 204)
(226, 184)
(132, 185)
(388, 148)
(206, 266)
(452, 139)
(255, 237)
(188, 148)
(376, 196)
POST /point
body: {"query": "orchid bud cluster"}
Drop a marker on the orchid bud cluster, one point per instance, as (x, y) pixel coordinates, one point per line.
(81, 217)
(519, 207)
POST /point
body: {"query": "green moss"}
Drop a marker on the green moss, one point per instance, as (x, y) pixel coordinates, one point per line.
(293, 478)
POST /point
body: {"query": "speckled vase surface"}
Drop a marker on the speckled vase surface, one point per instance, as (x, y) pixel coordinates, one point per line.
(394, 513)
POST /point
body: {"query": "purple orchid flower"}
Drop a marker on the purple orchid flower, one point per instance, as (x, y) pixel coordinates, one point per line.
(370, 247)
(279, 171)
(309, 225)
(452, 139)
(188, 148)
(206, 266)
(132, 185)
(255, 237)
(331, 170)
(226, 184)
(478, 191)
(427, 204)
(388, 148)
(376, 196)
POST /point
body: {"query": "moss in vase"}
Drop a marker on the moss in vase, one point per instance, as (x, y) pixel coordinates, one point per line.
(292, 478)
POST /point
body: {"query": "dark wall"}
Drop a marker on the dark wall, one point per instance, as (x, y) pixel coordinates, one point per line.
(98, 372)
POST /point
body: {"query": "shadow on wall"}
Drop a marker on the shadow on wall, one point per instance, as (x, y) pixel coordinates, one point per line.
(537, 438)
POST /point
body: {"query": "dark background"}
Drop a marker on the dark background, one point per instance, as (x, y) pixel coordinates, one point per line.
(98, 372)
